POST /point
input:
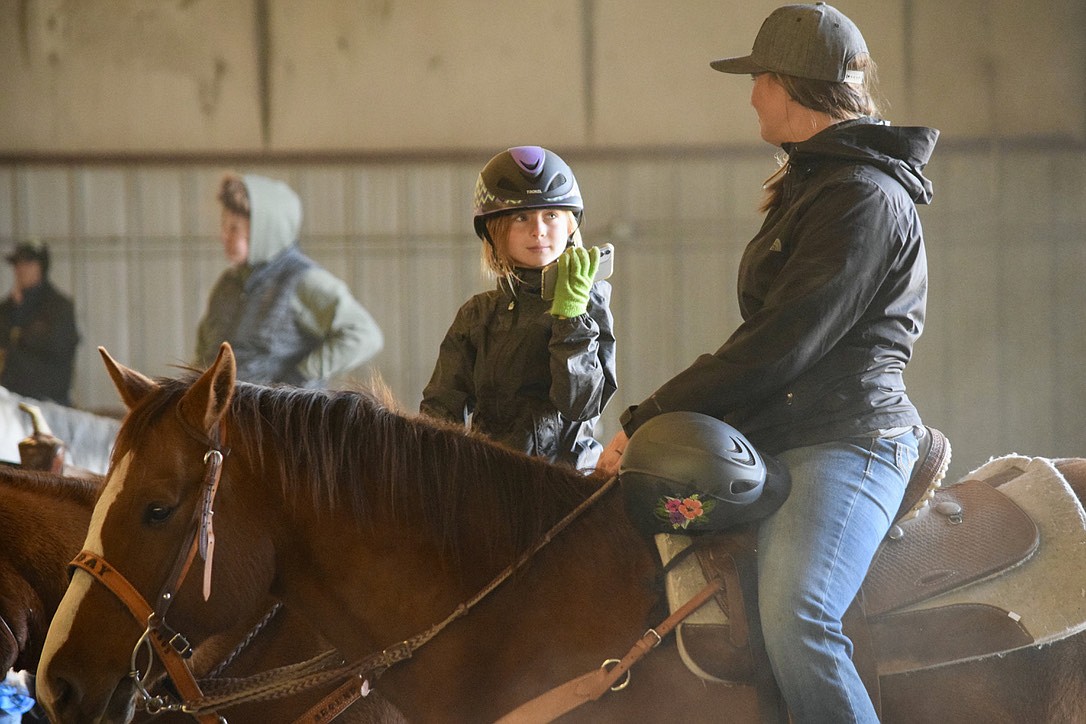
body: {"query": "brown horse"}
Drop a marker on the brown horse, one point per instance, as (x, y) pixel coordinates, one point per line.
(43, 522)
(378, 526)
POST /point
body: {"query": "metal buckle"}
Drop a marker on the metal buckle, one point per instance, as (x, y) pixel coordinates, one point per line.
(625, 682)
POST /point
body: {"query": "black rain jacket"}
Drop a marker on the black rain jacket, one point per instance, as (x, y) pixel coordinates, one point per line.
(531, 381)
(832, 292)
(38, 339)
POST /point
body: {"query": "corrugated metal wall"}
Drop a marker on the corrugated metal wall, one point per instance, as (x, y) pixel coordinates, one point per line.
(998, 368)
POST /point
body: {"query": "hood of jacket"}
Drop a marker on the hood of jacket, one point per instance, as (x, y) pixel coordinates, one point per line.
(902, 152)
(274, 220)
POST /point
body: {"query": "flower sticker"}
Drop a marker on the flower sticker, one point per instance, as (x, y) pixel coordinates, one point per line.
(682, 513)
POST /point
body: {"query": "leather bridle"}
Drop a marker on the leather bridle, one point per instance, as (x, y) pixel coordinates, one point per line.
(172, 648)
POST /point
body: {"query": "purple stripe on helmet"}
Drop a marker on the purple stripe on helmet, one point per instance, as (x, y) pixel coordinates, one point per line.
(529, 158)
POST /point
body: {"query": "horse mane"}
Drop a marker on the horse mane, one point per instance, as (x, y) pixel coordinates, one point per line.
(349, 448)
(80, 490)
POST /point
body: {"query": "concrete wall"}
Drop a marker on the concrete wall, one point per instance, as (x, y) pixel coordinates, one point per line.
(117, 118)
(207, 76)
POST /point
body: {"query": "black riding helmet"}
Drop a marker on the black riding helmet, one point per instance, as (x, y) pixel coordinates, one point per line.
(686, 472)
(524, 177)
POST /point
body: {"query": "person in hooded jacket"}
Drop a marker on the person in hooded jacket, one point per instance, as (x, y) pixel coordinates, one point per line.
(832, 293)
(530, 373)
(288, 320)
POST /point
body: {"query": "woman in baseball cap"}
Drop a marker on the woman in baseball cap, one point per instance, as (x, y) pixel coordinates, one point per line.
(832, 292)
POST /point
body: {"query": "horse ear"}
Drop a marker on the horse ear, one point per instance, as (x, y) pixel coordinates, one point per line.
(206, 401)
(132, 385)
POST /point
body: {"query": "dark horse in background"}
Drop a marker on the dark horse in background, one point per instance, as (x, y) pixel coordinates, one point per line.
(382, 530)
(43, 522)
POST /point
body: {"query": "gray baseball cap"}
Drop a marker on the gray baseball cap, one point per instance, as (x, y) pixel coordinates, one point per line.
(806, 41)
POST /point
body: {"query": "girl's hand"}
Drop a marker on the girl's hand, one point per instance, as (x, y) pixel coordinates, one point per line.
(576, 269)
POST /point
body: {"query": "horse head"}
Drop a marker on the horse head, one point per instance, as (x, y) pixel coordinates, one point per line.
(145, 572)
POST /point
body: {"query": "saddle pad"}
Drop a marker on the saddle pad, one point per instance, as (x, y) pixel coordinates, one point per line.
(680, 585)
(1046, 593)
(938, 552)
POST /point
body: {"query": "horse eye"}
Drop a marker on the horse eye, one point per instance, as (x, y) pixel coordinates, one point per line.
(157, 514)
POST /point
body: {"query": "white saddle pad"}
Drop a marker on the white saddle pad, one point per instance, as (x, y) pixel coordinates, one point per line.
(680, 585)
(1046, 592)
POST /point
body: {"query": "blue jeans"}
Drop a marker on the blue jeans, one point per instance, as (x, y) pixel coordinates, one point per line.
(813, 554)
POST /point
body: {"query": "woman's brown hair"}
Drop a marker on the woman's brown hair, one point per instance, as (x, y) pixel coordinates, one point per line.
(840, 101)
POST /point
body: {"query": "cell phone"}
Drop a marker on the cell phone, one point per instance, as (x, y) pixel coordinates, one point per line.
(603, 271)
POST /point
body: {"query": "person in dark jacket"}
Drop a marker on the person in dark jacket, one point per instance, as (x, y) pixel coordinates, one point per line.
(832, 292)
(38, 335)
(288, 319)
(530, 373)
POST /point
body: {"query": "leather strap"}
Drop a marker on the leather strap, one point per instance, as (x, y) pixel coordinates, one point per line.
(200, 538)
(336, 702)
(170, 646)
(591, 686)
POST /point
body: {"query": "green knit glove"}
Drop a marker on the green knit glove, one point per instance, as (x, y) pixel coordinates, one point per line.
(576, 270)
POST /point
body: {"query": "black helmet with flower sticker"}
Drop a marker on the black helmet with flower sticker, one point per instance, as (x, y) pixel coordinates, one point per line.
(524, 177)
(687, 472)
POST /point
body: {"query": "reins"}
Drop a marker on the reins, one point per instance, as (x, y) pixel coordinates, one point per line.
(356, 675)
(566, 697)
(379, 662)
(597, 682)
(244, 644)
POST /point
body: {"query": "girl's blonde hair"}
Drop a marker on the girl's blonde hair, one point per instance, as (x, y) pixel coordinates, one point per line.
(840, 101)
(495, 255)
